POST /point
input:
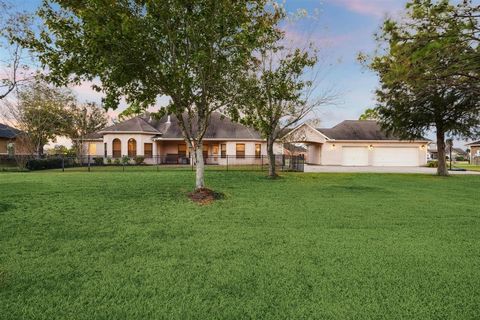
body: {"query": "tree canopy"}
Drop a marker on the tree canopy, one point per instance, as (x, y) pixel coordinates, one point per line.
(429, 66)
(190, 51)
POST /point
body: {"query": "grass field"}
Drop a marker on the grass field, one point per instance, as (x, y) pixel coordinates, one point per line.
(470, 167)
(113, 245)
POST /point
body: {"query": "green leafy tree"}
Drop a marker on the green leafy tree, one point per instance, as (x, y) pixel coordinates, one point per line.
(429, 67)
(82, 121)
(40, 111)
(277, 94)
(190, 51)
(369, 114)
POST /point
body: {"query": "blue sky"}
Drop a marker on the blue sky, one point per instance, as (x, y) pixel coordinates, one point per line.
(341, 29)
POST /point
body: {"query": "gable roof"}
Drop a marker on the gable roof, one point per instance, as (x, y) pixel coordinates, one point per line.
(136, 124)
(167, 127)
(358, 130)
(8, 132)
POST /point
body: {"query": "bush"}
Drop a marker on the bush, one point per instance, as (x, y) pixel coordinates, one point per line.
(432, 164)
(125, 160)
(98, 161)
(116, 161)
(139, 160)
(109, 160)
(460, 158)
(43, 164)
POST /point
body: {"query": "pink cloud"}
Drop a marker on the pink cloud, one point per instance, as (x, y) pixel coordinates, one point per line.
(377, 8)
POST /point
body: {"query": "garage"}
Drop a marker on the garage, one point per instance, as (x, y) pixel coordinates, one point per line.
(355, 156)
(395, 157)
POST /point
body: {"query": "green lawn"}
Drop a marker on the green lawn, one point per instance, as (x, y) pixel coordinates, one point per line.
(467, 166)
(114, 245)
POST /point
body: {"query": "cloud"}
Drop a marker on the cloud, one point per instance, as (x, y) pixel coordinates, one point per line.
(377, 8)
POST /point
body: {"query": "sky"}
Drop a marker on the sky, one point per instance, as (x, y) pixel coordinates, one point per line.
(341, 29)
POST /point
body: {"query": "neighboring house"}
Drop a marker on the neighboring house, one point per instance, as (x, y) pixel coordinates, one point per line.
(474, 152)
(456, 152)
(7, 135)
(161, 141)
(359, 143)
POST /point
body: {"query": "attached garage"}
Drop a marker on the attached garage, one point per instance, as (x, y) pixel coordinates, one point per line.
(354, 156)
(396, 157)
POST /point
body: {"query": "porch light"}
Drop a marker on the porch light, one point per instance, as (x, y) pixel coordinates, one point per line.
(333, 146)
(422, 147)
(370, 147)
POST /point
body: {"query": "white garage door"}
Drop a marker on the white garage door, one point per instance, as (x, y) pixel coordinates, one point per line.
(355, 156)
(395, 157)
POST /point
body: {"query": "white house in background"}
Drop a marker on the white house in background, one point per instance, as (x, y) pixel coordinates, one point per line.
(350, 143)
(161, 141)
(358, 143)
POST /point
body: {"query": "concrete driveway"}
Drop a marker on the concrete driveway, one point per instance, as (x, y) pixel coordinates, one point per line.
(421, 170)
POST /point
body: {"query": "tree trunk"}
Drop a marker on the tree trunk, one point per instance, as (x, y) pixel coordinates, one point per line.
(442, 163)
(271, 157)
(199, 167)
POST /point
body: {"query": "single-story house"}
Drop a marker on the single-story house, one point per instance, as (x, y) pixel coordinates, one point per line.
(350, 143)
(359, 143)
(8, 135)
(456, 152)
(474, 151)
(161, 141)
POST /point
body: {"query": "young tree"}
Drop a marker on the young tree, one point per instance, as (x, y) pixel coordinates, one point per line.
(40, 111)
(429, 71)
(191, 51)
(82, 121)
(277, 94)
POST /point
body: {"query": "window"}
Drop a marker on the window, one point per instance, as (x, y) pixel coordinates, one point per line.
(132, 147)
(105, 149)
(182, 150)
(258, 150)
(223, 150)
(205, 152)
(117, 148)
(240, 150)
(92, 149)
(148, 150)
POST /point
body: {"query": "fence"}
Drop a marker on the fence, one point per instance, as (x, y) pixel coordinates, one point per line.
(170, 161)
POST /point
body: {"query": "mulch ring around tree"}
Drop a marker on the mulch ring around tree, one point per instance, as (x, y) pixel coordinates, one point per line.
(205, 196)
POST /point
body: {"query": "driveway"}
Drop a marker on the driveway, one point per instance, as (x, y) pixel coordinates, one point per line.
(421, 170)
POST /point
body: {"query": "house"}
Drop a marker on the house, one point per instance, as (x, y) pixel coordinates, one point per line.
(456, 152)
(474, 152)
(161, 141)
(8, 135)
(359, 143)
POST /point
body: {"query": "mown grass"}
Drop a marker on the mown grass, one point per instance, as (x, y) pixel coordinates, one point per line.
(470, 167)
(114, 245)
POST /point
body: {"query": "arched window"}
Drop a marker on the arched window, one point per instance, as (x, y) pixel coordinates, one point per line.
(117, 148)
(132, 147)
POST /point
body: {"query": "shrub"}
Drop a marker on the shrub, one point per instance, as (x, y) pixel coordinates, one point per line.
(139, 160)
(43, 164)
(125, 160)
(116, 161)
(460, 158)
(432, 164)
(109, 160)
(98, 161)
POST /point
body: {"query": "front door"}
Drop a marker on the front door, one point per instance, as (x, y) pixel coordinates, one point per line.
(215, 153)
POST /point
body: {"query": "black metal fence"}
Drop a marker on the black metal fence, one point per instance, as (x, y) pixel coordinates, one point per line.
(170, 161)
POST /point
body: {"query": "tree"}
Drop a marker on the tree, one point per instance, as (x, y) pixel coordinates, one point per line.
(15, 71)
(369, 114)
(82, 121)
(276, 93)
(428, 70)
(191, 51)
(40, 111)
